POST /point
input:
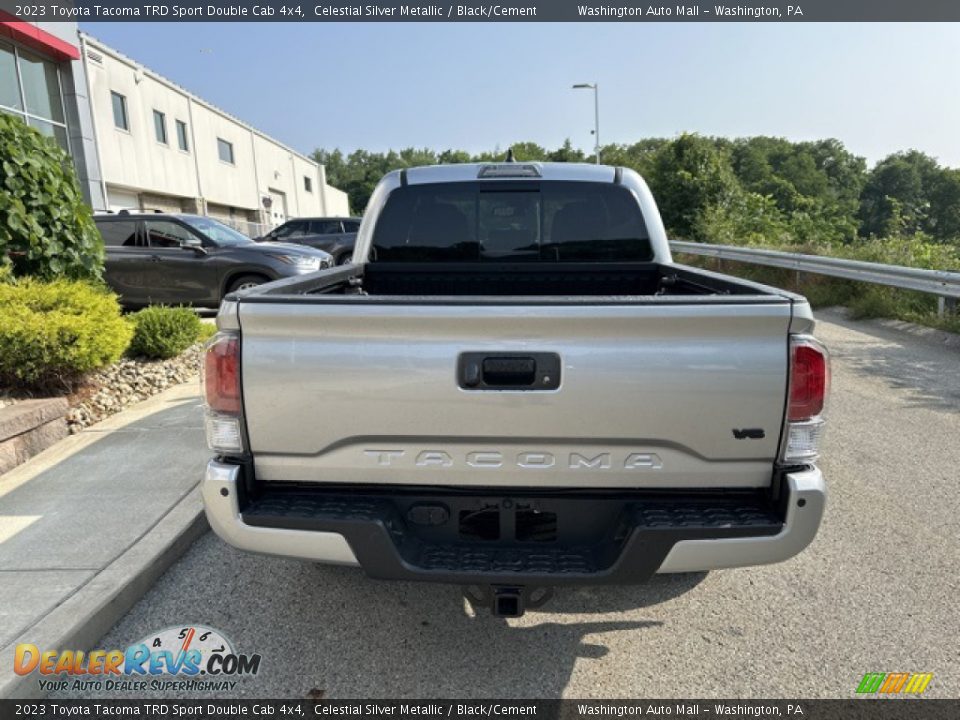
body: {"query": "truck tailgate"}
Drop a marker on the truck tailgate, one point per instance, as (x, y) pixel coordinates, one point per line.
(651, 395)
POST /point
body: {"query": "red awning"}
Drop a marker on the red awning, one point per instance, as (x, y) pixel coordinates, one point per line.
(36, 39)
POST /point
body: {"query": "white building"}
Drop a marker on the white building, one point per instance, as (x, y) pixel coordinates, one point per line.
(160, 147)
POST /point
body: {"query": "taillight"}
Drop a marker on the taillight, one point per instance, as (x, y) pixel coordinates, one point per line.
(221, 389)
(809, 379)
(809, 383)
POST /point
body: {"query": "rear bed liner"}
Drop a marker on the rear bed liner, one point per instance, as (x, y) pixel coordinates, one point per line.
(515, 283)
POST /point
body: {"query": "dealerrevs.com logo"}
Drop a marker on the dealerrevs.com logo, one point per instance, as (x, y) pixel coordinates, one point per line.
(191, 657)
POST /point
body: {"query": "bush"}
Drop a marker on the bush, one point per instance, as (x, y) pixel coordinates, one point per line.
(51, 334)
(164, 332)
(46, 228)
(207, 331)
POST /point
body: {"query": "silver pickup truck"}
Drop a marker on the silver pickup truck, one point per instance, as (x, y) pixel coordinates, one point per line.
(514, 387)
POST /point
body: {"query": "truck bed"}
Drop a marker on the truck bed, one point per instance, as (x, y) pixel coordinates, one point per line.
(547, 282)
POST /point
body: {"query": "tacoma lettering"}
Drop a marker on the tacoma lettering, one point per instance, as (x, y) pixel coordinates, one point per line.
(528, 460)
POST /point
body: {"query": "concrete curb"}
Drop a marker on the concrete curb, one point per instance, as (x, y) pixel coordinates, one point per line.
(933, 335)
(86, 616)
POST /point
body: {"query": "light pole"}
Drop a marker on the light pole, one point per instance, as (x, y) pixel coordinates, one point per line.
(596, 113)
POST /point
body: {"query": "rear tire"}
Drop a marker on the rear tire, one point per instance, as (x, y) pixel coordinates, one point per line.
(345, 258)
(245, 282)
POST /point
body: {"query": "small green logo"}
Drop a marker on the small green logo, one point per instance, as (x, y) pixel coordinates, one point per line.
(894, 683)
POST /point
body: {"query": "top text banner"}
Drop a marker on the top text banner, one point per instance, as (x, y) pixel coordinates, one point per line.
(505, 11)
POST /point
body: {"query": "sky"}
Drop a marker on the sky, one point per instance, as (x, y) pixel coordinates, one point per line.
(879, 87)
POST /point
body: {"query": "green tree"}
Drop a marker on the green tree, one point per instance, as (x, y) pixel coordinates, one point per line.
(566, 153)
(747, 218)
(821, 181)
(639, 156)
(687, 176)
(528, 152)
(46, 227)
(897, 197)
(717, 189)
(453, 157)
(945, 205)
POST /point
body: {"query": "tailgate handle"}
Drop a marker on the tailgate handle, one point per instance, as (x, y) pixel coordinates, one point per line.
(513, 371)
(481, 371)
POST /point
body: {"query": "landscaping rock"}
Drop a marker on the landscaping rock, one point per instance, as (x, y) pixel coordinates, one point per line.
(129, 381)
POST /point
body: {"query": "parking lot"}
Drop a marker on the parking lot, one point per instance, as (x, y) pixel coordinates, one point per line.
(876, 592)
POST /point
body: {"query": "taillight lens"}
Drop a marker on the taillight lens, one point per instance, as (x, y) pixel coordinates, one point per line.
(809, 385)
(221, 389)
(809, 379)
(221, 374)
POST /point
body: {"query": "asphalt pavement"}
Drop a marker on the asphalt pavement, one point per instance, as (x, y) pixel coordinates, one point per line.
(876, 592)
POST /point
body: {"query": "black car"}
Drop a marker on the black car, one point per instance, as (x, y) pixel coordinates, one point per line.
(189, 259)
(335, 235)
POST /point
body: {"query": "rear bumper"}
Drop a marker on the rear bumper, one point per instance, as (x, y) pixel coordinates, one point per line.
(805, 501)
(631, 537)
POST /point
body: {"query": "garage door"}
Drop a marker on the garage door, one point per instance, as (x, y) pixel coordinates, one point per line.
(278, 207)
(118, 200)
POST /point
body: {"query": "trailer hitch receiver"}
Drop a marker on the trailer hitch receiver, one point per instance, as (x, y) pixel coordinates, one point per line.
(507, 600)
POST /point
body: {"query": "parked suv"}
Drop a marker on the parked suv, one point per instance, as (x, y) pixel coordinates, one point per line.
(189, 259)
(335, 235)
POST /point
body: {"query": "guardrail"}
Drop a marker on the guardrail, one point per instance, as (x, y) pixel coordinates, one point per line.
(938, 282)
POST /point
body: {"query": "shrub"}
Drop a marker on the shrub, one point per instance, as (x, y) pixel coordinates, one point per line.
(878, 302)
(46, 228)
(164, 332)
(51, 334)
(207, 331)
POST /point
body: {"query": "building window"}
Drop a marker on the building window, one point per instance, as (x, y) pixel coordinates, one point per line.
(225, 150)
(9, 85)
(182, 136)
(307, 184)
(120, 119)
(30, 90)
(160, 126)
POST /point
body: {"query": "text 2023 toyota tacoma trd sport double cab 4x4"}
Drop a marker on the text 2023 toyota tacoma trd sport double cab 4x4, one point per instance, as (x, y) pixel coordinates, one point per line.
(514, 387)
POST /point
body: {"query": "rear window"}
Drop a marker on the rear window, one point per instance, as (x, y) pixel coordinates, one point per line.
(118, 233)
(325, 227)
(511, 222)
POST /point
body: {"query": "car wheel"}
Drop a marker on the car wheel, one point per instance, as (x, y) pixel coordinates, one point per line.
(345, 259)
(245, 282)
